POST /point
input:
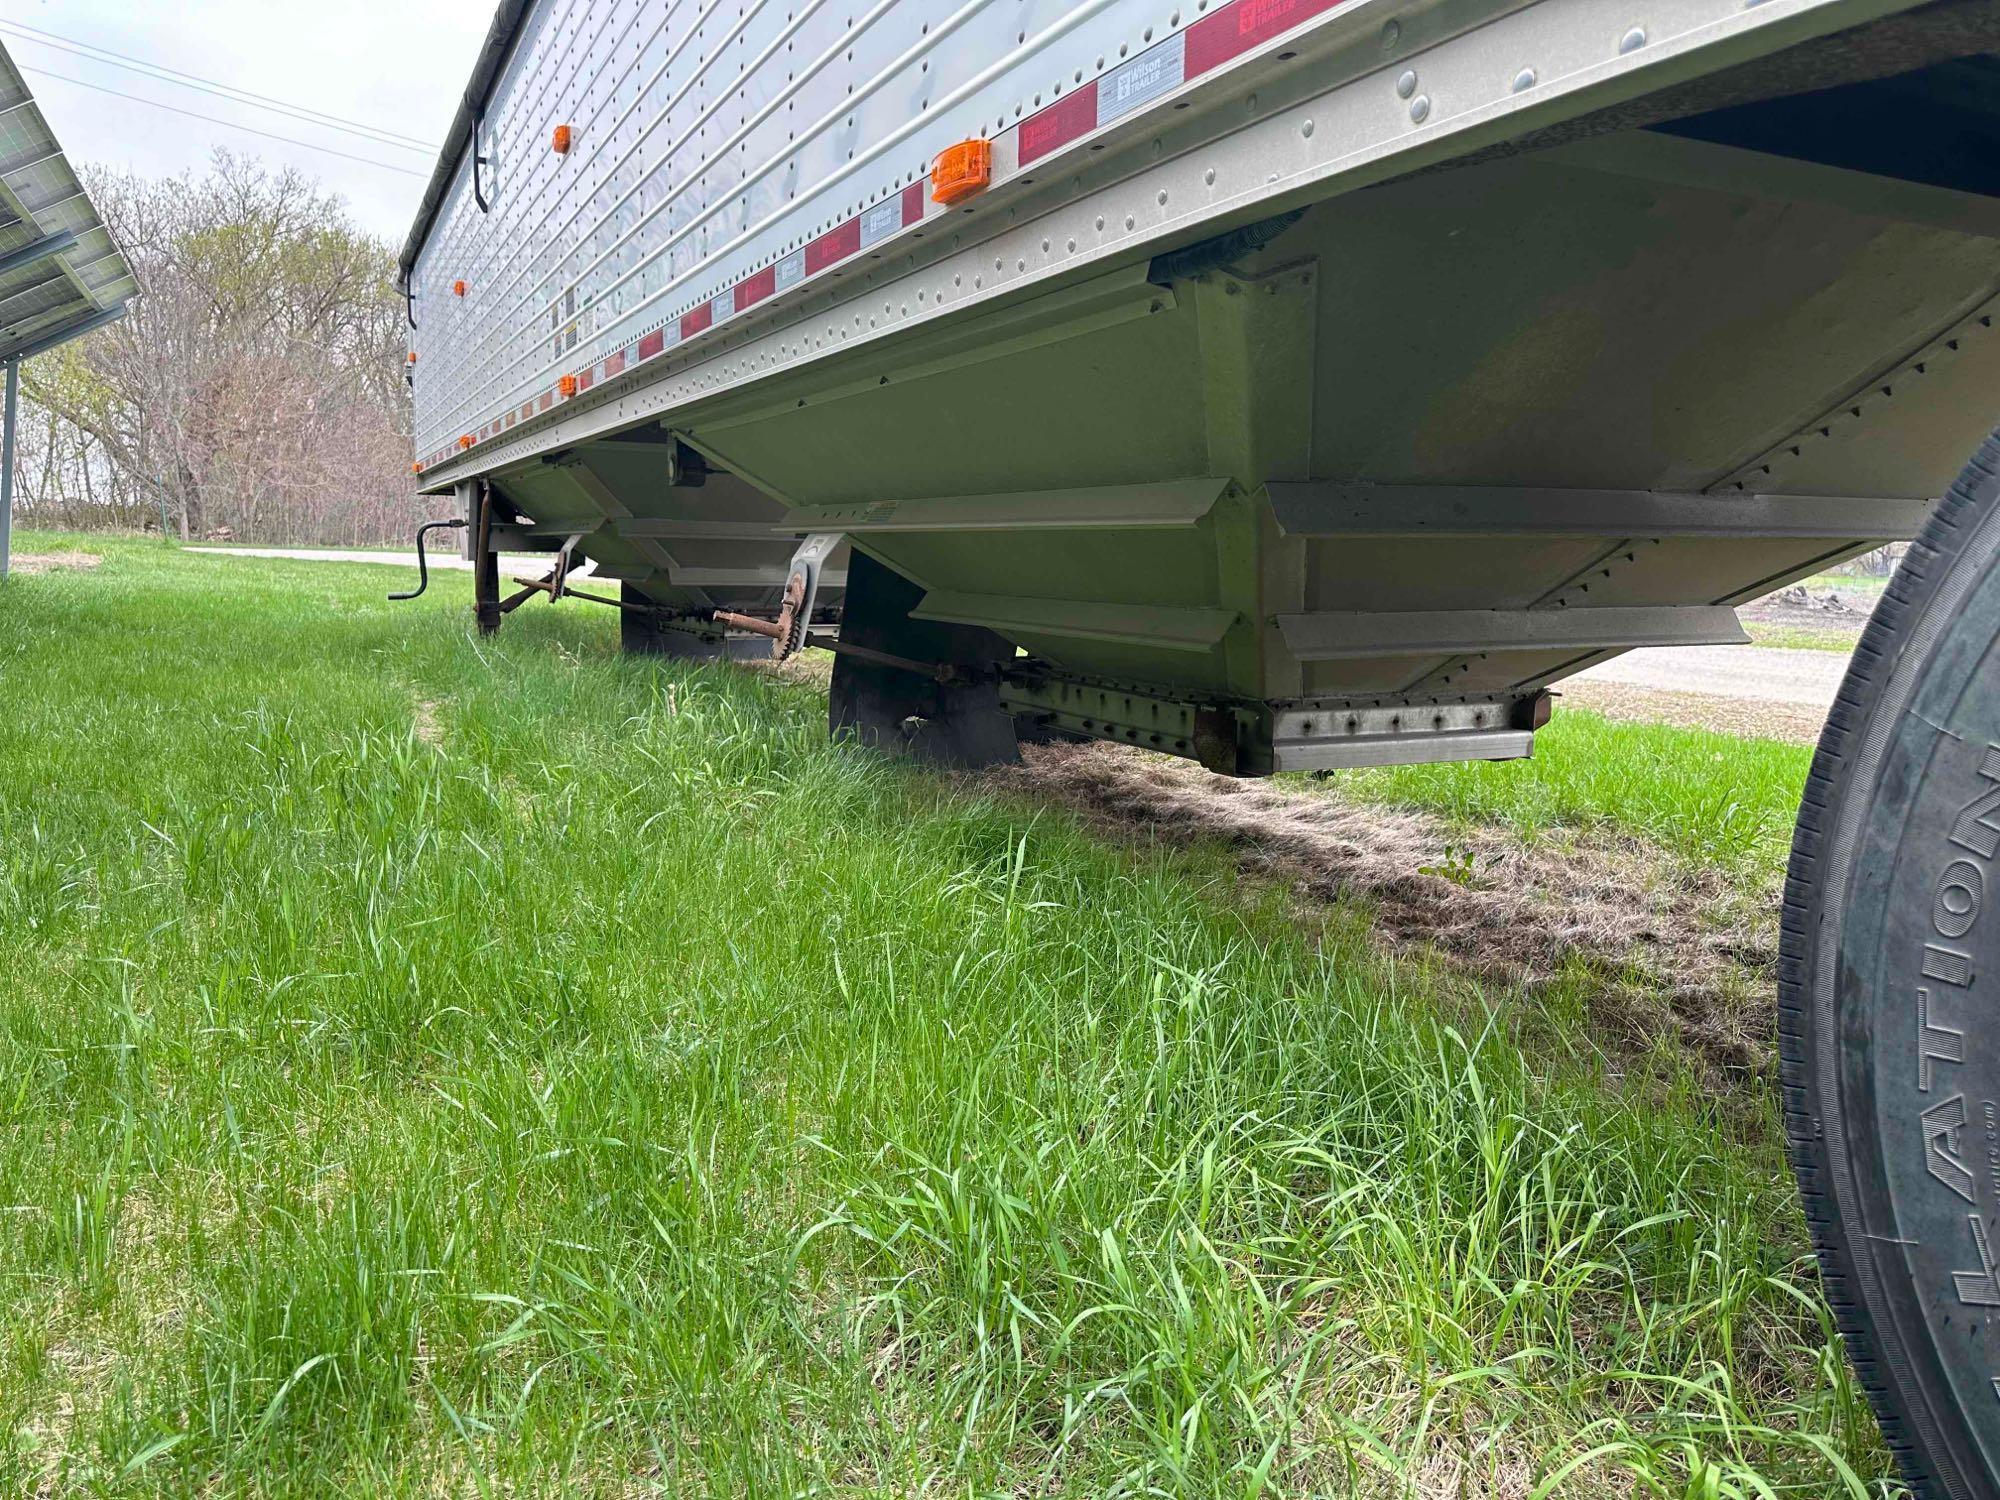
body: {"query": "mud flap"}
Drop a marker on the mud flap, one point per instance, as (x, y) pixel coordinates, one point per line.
(893, 709)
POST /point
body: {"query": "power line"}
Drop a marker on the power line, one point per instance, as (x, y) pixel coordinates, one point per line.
(211, 85)
(301, 112)
(227, 124)
(230, 92)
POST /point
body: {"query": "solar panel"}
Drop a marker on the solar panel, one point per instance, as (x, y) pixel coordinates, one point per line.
(61, 274)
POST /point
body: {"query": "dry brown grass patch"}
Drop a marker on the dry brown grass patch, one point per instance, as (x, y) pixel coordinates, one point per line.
(32, 563)
(1673, 949)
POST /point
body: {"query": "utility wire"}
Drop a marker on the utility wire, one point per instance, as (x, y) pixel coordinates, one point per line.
(210, 85)
(304, 113)
(227, 124)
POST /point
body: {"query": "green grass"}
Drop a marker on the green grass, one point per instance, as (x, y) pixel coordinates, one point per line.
(1861, 591)
(1866, 584)
(1692, 793)
(1801, 638)
(632, 1092)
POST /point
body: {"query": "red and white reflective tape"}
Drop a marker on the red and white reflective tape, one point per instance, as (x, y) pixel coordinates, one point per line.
(1222, 36)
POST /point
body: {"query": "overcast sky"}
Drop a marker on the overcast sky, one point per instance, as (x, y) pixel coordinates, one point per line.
(399, 65)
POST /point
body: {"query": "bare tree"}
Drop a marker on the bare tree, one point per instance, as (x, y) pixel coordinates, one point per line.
(254, 385)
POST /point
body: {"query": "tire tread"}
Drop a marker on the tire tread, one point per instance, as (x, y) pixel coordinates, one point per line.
(1903, 603)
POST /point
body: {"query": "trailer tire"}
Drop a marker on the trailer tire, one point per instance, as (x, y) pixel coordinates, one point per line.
(643, 635)
(904, 712)
(1891, 1066)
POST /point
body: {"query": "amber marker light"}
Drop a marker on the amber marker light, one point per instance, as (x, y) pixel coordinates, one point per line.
(961, 171)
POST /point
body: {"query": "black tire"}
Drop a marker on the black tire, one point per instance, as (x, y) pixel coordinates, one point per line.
(905, 712)
(1890, 1043)
(643, 635)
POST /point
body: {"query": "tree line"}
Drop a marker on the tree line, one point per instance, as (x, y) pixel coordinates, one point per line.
(254, 388)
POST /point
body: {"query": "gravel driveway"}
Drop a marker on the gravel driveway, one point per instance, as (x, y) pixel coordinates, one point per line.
(1767, 673)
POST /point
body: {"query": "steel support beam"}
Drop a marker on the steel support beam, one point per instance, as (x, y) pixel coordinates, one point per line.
(750, 575)
(1441, 632)
(1177, 628)
(1176, 502)
(1262, 738)
(1325, 508)
(1413, 749)
(36, 250)
(689, 529)
(614, 511)
(512, 536)
(7, 464)
(49, 338)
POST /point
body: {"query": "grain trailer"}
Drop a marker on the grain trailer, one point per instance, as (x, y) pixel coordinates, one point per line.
(1299, 385)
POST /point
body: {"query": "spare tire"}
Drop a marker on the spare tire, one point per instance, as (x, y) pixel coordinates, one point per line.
(1889, 999)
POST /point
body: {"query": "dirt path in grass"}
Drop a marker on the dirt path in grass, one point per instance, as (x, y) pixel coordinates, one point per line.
(30, 564)
(1669, 949)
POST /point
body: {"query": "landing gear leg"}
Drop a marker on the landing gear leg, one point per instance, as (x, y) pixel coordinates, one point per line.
(485, 563)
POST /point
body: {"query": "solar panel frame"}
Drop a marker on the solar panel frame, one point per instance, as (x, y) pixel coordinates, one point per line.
(58, 296)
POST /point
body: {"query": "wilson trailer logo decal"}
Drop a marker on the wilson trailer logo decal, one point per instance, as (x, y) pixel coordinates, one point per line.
(1222, 36)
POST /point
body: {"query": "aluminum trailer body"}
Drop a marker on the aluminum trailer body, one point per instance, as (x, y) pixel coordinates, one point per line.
(1284, 384)
(1613, 339)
